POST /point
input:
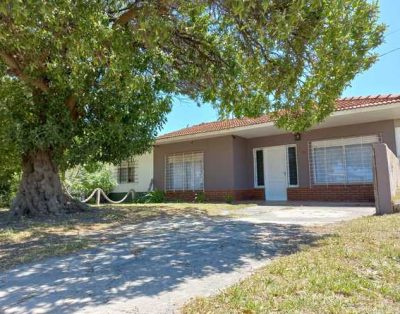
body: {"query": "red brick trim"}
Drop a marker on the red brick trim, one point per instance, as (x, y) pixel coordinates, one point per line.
(333, 193)
(329, 193)
(218, 195)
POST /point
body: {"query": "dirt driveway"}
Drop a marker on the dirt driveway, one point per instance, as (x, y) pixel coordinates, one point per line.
(156, 266)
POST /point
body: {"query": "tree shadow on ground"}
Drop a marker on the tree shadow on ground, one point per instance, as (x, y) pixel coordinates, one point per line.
(146, 259)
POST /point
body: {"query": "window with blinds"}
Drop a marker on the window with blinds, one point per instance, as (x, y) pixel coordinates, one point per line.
(185, 172)
(343, 161)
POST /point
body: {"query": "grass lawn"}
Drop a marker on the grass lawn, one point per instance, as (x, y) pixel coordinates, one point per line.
(25, 240)
(354, 269)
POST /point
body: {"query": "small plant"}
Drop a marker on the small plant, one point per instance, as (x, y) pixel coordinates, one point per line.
(229, 198)
(140, 198)
(199, 197)
(156, 196)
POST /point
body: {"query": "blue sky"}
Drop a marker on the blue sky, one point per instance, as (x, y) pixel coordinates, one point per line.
(382, 78)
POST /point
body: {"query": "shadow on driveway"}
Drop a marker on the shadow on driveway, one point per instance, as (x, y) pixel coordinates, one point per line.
(145, 262)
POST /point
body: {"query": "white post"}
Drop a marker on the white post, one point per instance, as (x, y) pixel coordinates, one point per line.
(98, 197)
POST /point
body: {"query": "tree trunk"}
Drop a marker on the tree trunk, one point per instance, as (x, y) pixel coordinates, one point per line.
(40, 191)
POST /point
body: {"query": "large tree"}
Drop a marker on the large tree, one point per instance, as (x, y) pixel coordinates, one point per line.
(92, 80)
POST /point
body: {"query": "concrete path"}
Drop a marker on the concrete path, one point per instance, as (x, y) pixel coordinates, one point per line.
(307, 214)
(152, 267)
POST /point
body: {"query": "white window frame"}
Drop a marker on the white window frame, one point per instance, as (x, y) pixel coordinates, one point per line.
(287, 166)
(354, 140)
(166, 170)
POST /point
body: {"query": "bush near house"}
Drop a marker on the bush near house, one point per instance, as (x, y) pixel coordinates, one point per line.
(8, 188)
(200, 197)
(82, 180)
(156, 196)
(229, 199)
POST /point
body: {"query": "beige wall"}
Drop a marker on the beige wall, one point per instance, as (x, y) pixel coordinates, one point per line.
(228, 160)
(242, 160)
(218, 161)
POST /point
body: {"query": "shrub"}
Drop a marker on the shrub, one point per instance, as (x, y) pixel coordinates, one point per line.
(199, 197)
(140, 198)
(82, 180)
(156, 196)
(8, 188)
(229, 198)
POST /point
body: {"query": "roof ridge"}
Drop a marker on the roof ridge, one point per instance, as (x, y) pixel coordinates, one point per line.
(369, 97)
(210, 122)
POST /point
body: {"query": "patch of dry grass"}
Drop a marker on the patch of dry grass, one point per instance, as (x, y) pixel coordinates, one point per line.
(356, 269)
(25, 240)
(212, 209)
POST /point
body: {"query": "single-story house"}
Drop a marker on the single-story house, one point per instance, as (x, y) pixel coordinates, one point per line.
(133, 174)
(251, 159)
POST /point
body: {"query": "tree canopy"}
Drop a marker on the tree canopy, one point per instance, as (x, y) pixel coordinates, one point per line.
(93, 80)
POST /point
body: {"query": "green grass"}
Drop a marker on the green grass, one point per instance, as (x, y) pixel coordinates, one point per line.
(27, 240)
(355, 268)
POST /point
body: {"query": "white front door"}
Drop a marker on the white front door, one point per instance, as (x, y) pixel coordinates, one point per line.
(275, 173)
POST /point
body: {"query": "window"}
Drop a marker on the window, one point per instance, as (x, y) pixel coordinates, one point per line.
(343, 161)
(292, 165)
(259, 169)
(184, 172)
(126, 172)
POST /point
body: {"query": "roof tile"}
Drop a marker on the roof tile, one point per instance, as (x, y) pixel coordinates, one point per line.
(347, 103)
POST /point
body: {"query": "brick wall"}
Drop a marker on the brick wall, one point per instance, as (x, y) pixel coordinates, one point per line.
(333, 193)
(323, 193)
(218, 195)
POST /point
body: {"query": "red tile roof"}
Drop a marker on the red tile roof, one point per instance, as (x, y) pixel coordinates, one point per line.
(347, 103)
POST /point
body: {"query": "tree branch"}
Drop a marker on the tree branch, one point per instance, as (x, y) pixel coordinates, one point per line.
(131, 12)
(16, 69)
(70, 102)
(128, 15)
(125, 17)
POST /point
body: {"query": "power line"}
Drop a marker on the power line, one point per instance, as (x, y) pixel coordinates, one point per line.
(392, 32)
(390, 51)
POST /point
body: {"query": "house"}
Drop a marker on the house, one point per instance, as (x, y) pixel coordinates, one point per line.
(251, 159)
(133, 174)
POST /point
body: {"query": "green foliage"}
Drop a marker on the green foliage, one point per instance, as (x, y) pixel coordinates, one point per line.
(156, 196)
(82, 180)
(139, 198)
(8, 188)
(9, 157)
(229, 198)
(199, 197)
(93, 80)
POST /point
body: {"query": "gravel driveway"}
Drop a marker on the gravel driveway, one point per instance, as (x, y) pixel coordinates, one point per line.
(151, 267)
